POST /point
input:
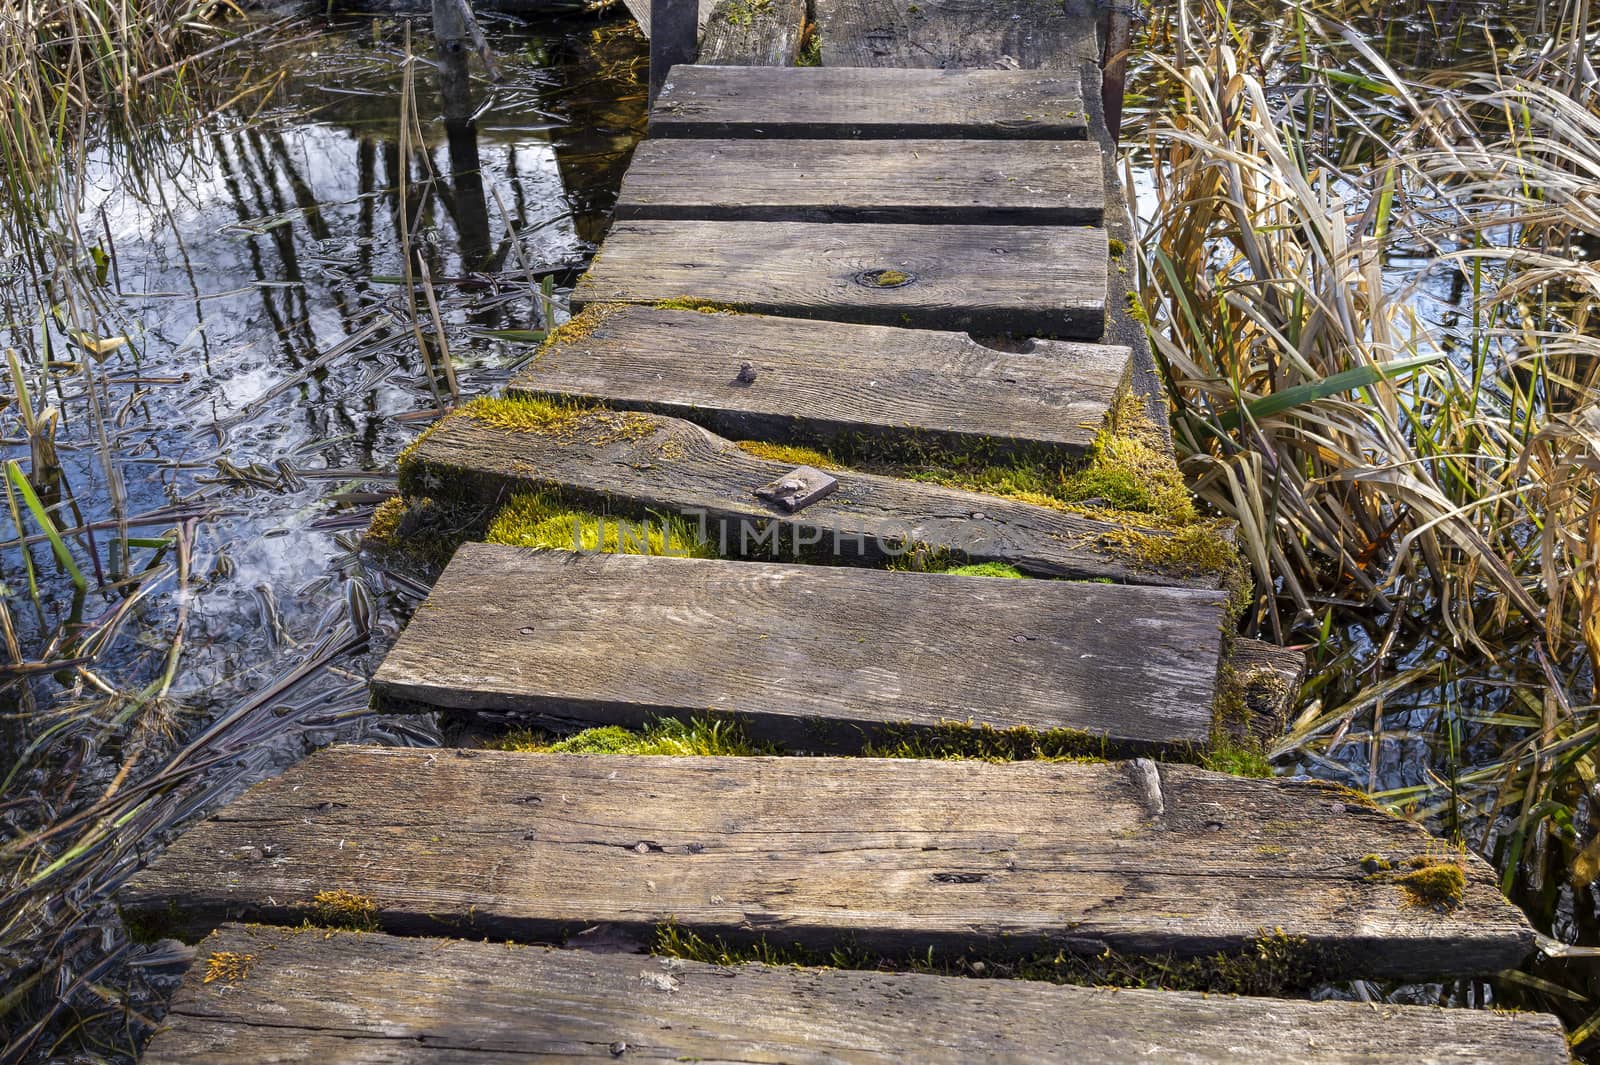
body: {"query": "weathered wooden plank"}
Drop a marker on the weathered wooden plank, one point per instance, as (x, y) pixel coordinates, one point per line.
(642, 464)
(1023, 34)
(834, 102)
(1027, 280)
(815, 657)
(823, 382)
(353, 1000)
(754, 33)
(890, 181)
(897, 855)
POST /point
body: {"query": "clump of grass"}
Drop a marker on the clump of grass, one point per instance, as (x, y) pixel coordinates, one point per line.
(540, 520)
(668, 736)
(345, 910)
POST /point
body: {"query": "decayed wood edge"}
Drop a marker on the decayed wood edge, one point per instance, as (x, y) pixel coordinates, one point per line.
(1266, 679)
(295, 997)
(461, 460)
(541, 377)
(202, 882)
(743, 34)
(1160, 700)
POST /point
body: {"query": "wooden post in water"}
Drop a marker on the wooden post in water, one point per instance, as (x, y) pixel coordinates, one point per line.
(674, 38)
(454, 32)
(1114, 63)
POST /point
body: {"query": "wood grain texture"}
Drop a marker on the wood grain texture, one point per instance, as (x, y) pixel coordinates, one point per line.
(675, 468)
(741, 33)
(1026, 34)
(814, 657)
(1032, 281)
(818, 382)
(354, 1000)
(887, 181)
(897, 855)
(829, 102)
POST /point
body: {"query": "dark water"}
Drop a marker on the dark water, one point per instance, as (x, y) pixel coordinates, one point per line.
(252, 259)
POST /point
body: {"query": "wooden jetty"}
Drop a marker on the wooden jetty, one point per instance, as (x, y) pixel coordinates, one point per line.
(907, 258)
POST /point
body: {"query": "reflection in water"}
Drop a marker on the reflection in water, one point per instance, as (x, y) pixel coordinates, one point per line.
(249, 424)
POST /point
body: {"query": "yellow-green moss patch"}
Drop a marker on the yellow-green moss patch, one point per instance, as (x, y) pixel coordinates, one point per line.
(228, 966)
(695, 303)
(344, 909)
(1438, 884)
(539, 520)
(668, 736)
(790, 454)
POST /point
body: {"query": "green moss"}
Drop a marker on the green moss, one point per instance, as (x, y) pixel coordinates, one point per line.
(890, 278)
(1117, 248)
(988, 569)
(1434, 883)
(344, 909)
(790, 455)
(1239, 759)
(694, 303)
(580, 326)
(1272, 964)
(539, 520)
(668, 736)
(960, 740)
(1375, 863)
(525, 414)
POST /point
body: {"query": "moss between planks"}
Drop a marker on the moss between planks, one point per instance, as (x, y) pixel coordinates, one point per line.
(1272, 964)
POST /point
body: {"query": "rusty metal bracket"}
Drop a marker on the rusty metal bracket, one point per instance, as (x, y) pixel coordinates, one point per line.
(799, 488)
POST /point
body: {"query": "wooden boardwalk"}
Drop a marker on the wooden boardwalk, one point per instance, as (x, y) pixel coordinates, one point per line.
(906, 257)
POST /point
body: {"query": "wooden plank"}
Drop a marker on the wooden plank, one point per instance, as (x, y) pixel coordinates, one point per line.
(835, 102)
(814, 657)
(890, 181)
(898, 856)
(1022, 34)
(1038, 281)
(754, 33)
(823, 382)
(655, 465)
(353, 1000)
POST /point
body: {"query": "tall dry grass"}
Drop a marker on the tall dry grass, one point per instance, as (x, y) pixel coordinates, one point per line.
(1382, 347)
